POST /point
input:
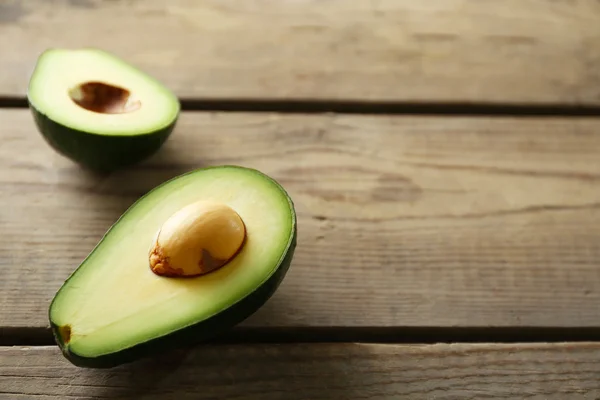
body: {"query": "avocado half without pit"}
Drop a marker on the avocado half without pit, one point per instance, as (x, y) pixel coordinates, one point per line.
(190, 259)
(98, 110)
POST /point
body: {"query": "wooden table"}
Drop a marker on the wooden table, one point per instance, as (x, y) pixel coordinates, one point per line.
(444, 158)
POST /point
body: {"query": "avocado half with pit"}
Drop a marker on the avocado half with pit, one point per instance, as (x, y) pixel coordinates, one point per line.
(98, 110)
(190, 259)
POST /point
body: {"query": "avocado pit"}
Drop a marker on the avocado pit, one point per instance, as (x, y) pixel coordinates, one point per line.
(198, 239)
(104, 98)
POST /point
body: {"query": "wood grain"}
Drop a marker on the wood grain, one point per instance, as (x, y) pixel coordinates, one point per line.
(537, 51)
(317, 371)
(403, 221)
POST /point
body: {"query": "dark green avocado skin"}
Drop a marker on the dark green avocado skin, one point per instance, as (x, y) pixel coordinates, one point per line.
(99, 153)
(194, 334)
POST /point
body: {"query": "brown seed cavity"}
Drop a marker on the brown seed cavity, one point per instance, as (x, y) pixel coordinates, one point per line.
(104, 98)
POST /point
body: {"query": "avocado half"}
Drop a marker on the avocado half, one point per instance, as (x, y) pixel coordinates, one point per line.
(114, 309)
(97, 110)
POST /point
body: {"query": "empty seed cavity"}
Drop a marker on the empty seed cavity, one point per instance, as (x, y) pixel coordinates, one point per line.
(104, 98)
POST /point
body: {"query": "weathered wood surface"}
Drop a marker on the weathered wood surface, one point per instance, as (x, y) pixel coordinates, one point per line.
(317, 371)
(515, 51)
(403, 221)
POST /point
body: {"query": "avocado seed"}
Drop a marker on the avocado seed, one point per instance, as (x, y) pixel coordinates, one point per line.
(196, 240)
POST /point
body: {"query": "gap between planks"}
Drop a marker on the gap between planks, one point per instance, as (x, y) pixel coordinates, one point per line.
(309, 106)
(383, 335)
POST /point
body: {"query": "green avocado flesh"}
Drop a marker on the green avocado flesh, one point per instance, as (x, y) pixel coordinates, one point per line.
(97, 109)
(113, 309)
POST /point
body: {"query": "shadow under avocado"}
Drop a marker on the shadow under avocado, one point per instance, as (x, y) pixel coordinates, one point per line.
(114, 192)
(227, 371)
(244, 363)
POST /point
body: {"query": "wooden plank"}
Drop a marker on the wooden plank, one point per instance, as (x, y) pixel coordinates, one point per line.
(403, 221)
(317, 371)
(538, 51)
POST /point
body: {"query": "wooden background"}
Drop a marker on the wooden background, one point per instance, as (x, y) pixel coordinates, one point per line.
(444, 159)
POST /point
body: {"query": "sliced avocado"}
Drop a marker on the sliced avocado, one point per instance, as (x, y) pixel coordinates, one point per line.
(117, 306)
(98, 110)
